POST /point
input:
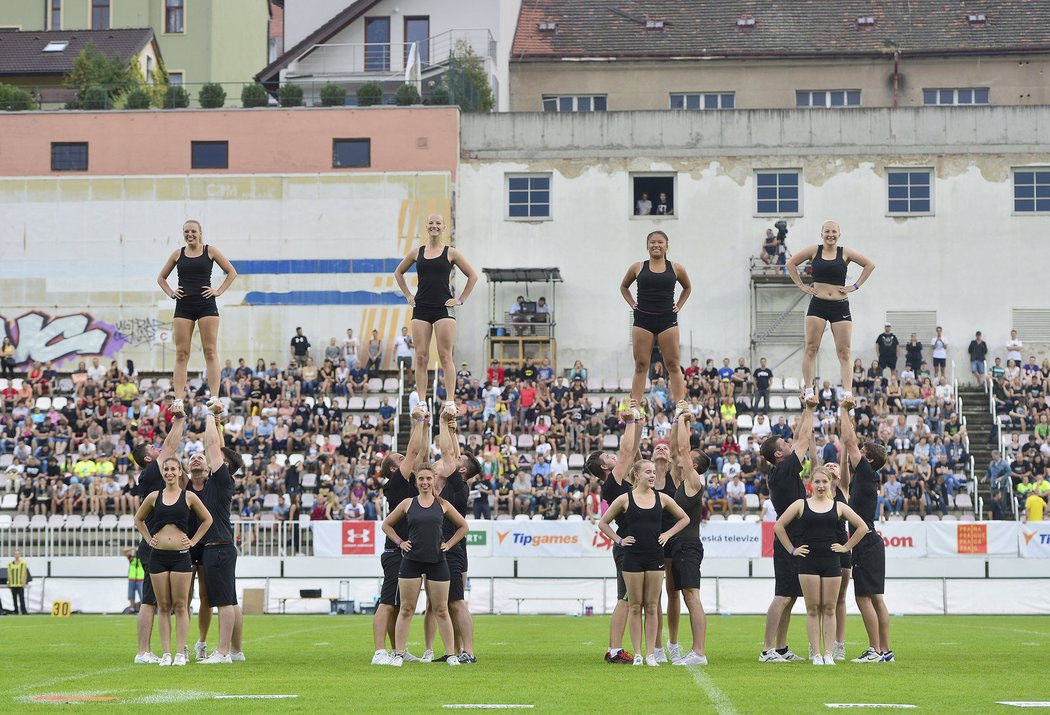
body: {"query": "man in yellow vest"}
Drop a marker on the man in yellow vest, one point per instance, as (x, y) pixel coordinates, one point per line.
(136, 574)
(17, 578)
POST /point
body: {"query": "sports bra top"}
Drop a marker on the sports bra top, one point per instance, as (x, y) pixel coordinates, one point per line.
(177, 513)
(833, 271)
(656, 290)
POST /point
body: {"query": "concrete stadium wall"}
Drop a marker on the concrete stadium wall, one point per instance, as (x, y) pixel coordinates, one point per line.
(972, 261)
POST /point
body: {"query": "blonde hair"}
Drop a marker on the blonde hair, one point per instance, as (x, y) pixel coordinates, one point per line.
(822, 470)
(634, 470)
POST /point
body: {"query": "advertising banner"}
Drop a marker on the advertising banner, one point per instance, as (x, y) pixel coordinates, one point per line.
(479, 538)
(347, 538)
(1033, 540)
(903, 539)
(540, 538)
(731, 539)
(987, 538)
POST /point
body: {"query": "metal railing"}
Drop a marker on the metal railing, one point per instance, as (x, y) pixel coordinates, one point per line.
(253, 538)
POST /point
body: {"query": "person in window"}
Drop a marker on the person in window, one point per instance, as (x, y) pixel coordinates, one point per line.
(643, 207)
(663, 206)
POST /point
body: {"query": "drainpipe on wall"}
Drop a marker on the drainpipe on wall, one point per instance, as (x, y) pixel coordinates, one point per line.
(896, 78)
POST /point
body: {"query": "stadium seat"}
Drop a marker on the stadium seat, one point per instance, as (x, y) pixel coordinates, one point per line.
(744, 421)
(375, 384)
(735, 517)
(108, 521)
(963, 502)
(295, 459)
(16, 383)
(776, 402)
(716, 517)
(281, 459)
(895, 517)
(195, 384)
(537, 517)
(163, 383)
(610, 384)
(933, 517)
(59, 403)
(43, 403)
(91, 521)
(55, 521)
(525, 441)
(792, 384)
(372, 403)
(309, 401)
(339, 402)
(949, 517)
(307, 501)
(911, 421)
(74, 521)
(913, 517)
(969, 516)
(126, 521)
(145, 384)
(574, 517)
(39, 521)
(776, 384)
(792, 403)
(10, 501)
(247, 459)
(356, 403)
(752, 518)
(6, 460)
(5, 521)
(4, 383)
(270, 501)
(610, 441)
(309, 480)
(521, 517)
(503, 517)
(576, 461)
(390, 384)
(751, 502)
(21, 521)
(387, 441)
(595, 401)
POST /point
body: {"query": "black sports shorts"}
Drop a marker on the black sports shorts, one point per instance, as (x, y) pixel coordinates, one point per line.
(655, 323)
(432, 314)
(457, 566)
(391, 562)
(846, 560)
(220, 574)
(161, 561)
(869, 566)
(144, 554)
(621, 585)
(833, 311)
(196, 309)
(197, 554)
(825, 567)
(435, 571)
(686, 558)
(637, 559)
(785, 570)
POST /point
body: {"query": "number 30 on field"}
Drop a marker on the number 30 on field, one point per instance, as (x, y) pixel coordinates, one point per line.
(61, 609)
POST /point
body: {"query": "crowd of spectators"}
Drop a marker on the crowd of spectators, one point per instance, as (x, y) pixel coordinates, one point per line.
(310, 451)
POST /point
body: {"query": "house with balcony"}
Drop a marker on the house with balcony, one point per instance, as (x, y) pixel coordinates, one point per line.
(391, 42)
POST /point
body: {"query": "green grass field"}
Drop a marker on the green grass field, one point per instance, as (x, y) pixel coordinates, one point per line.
(554, 663)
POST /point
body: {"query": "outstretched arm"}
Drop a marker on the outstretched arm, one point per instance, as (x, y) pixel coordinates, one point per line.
(173, 440)
(804, 437)
(850, 443)
(212, 442)
(448, 445)
(417, 442)
(628, 443)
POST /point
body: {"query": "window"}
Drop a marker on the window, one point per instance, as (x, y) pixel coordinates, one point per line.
(703, 100)
(827, 98)
(56, 46)
(575, 103)
(909, 191)
(210, 155)
(174, 16)
(1032, 190)
(149, 70)
(777, 192)
(99, 14)
(377, 44)
(417, 30)
(56, 14)
(348, 153)
(951, 97)
(653, 195)
(69, 156)
(175, 78)
(529, 196)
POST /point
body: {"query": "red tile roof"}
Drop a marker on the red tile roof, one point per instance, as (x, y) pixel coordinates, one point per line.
(785, 28)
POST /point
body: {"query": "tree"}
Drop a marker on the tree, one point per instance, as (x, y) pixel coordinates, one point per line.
(254, 95)
(15, 99)
(176, 97)
(211, 96)
(91, 68)
(138, 98)
(95, 98)
(290, 95)
(407, 95)
(369, 94)
(332, 95)
(468, 82)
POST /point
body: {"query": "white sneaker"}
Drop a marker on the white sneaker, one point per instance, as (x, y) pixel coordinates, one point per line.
(638, 660)
(839, 651)
(791, 657)
(215, 658)
(409, 658)
(771, 656)
(165, 660)
(396, 661)
(674, 652)
(147, 657)
(869, 656)
(180, 659)
(381, 657)
(651, 660)
(453, 660)
(661, 656)
(829, 659)
(818, 660)
(692, 658)
(200, 650)
(238, 657)
(427, 657)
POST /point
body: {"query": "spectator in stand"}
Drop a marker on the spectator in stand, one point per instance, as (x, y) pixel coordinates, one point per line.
(939, 344)
(742, 378)
(358, 384)
(763, 378)
(716, 496)
(725, 378)
(578, 372)
(495, 374)
(332, 352)
(891, 497)
(7, 358)
(735, 489)
(404, 350)
(300, 347)
(978, 351)
(375, 353)
(351, 346)
(543, 311)
(522, 489)
(1034, 506)
(913, 353)
(1014, 346)
(888, 347)
(770, 248)
(545, 373)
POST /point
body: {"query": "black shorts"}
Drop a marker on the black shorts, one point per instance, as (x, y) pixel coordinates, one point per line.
(846, 560)
(621, 585)
(220, 574)
(432, 314)
(833, 311)
(391, 562)
(197, 554)
(196, 309)
(144, 554)
(785, 570)
(457, 567)
(887, 361)
(436, 571)
(939, 362)
(655, 323)
(161, 561)
(823, 566)
(685, 563)
(645, 559)
(869, 566)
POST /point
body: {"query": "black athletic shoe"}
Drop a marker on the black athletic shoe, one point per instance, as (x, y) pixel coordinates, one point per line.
(623, 658)
(465, 658)
(443, 658)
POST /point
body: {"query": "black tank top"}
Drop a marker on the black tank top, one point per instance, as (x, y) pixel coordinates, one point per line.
(667, 519)
(434, 274)
(833, 271)
(864, 491)
(840, 532)
(656, 290)
(424, 531)
(817, 530)
(644, 526)
(693, 506)
(194, 274)
(456, 493)
(177, 513)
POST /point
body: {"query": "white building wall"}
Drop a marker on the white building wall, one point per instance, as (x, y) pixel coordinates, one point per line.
(972, 262)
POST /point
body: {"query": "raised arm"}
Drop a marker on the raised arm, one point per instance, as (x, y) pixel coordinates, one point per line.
(628, 280)
(689, 474)
(212, 441)
(804, 436)
(417, 441)
(687, 286)
(628, 443)
(165, 271)
(227, 268)
(850, 443)
(448, 445)
(456, 258)
(399, 275)
(173, 440)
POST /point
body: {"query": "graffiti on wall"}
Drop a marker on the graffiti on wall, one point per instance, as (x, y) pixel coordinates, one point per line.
(137, 332)
(40, 337)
